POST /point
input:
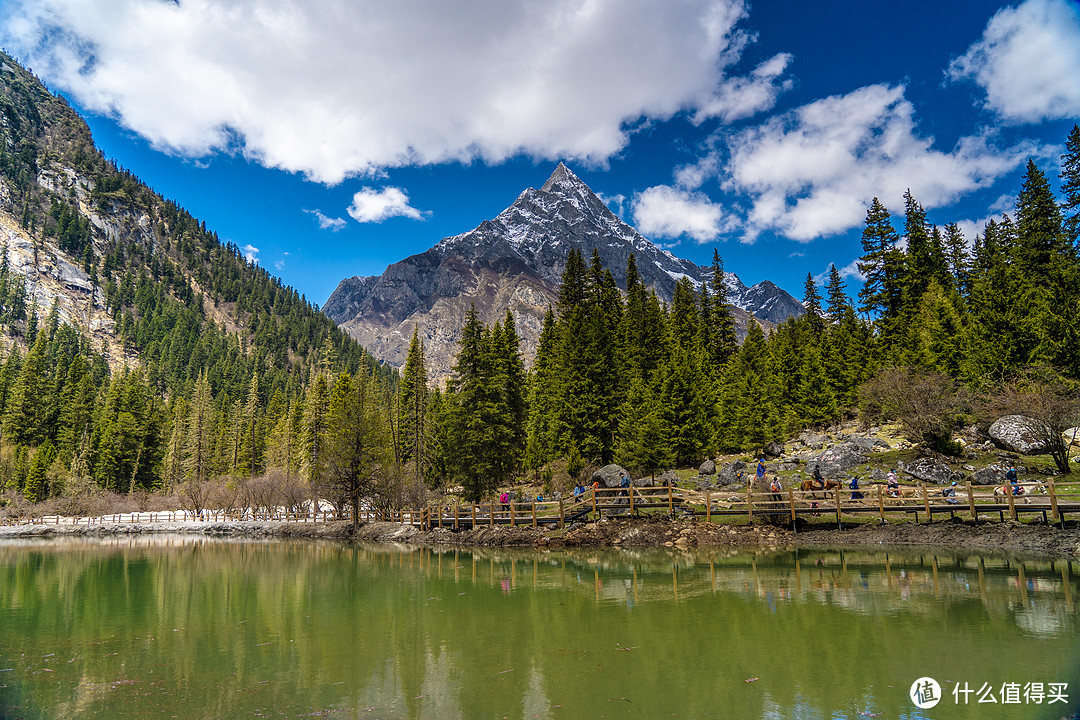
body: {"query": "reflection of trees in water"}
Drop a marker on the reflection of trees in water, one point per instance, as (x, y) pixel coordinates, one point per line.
(428, 632)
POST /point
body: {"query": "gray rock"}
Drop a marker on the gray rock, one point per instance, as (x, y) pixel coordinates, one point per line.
(990, 475)
(608, 476)
(730, 473)
(878, 475)
(932, 471)
(774, 449)
(1072, 436)
(787, 466)
(867, 444)
(704, 485)
(707, 468)
(837, 460)
(1017, 433)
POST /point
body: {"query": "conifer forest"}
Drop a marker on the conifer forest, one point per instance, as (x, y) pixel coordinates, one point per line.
(234, 379)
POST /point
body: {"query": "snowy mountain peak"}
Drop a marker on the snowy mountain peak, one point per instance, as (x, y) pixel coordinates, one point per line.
(516, 260)
(564, 177)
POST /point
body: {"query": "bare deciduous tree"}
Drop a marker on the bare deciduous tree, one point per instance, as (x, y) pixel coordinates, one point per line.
(927, 404)
(1049, 404)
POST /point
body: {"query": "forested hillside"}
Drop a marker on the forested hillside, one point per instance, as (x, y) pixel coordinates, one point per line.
(153, 325)
(169, 363)
(947, 330)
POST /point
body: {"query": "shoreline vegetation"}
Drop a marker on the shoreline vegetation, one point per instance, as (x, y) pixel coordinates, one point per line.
(954, 534)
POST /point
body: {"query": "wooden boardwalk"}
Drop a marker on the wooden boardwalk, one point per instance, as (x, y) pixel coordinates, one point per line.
(1054, 502)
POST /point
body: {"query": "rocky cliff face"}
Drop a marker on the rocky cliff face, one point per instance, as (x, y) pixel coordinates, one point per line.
(515, 261)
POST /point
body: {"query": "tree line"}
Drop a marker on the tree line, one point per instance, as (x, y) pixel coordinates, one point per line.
(618, 377)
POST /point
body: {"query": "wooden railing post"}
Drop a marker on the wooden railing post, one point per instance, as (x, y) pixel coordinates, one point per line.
(473, 517)
(534, 511)
(971, 500)
(1053, 502)
(708, 507)
(562, 515)
(880, 505)
(671, 501)
(1012, 501)
(926, 502)
(838, 525)
(511, 513)
(594, 491)
(456, 513)
(791, 502)
(750, 500)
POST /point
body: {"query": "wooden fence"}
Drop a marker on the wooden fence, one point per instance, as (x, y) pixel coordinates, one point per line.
(1053, 501)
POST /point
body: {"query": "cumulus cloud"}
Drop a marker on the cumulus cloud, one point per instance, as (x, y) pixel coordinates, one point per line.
(327, 223)
(371, 205)
(741, 97)
(669, 212)
(812, 172)
(337, 88)
(251, 253)
(1027, 61)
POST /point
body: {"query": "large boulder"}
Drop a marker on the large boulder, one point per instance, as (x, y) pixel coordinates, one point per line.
(837, 460)
(774, 449)
(990, 475)
(608, 476)
(869, 444)
(1072, 436)
(932, 471)
(1015, 433)
(734, 472)
(707, 468)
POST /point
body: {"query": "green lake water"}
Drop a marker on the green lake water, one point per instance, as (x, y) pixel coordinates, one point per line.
(190, 627)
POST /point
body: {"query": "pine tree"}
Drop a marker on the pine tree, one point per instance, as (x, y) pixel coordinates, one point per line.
(474, 421)
(882, 265)
(1070, 188)
(817, 404)
(956, 254)
(812, 303)
(413, 404)
(357, 441)
(838, 299)
(313, 441)
(642, 447)
(726, 343)
(201, 431)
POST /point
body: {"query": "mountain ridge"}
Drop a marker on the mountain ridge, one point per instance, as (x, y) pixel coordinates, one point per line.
(516, 261)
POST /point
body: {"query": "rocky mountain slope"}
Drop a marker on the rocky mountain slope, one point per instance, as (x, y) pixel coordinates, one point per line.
(132, 271)
(516, 261)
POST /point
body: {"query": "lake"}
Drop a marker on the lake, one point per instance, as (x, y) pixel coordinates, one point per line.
(192, 627)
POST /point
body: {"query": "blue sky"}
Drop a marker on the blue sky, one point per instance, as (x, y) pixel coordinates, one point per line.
(334, 138)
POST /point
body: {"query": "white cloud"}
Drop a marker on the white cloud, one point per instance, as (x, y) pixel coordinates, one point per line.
(851, 270)
(812, 172)
(337, 88)
(741, 97)
(251, 253)
(668, 212)
(1027, 61)
(371, 205)
(327, 223)
(616, 203)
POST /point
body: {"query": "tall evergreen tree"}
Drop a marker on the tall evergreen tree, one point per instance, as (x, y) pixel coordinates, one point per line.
(838, 299)
(812, 303)
(413, 405)
(1070, 188)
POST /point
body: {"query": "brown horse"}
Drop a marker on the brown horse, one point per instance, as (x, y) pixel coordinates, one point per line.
(814, 487)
